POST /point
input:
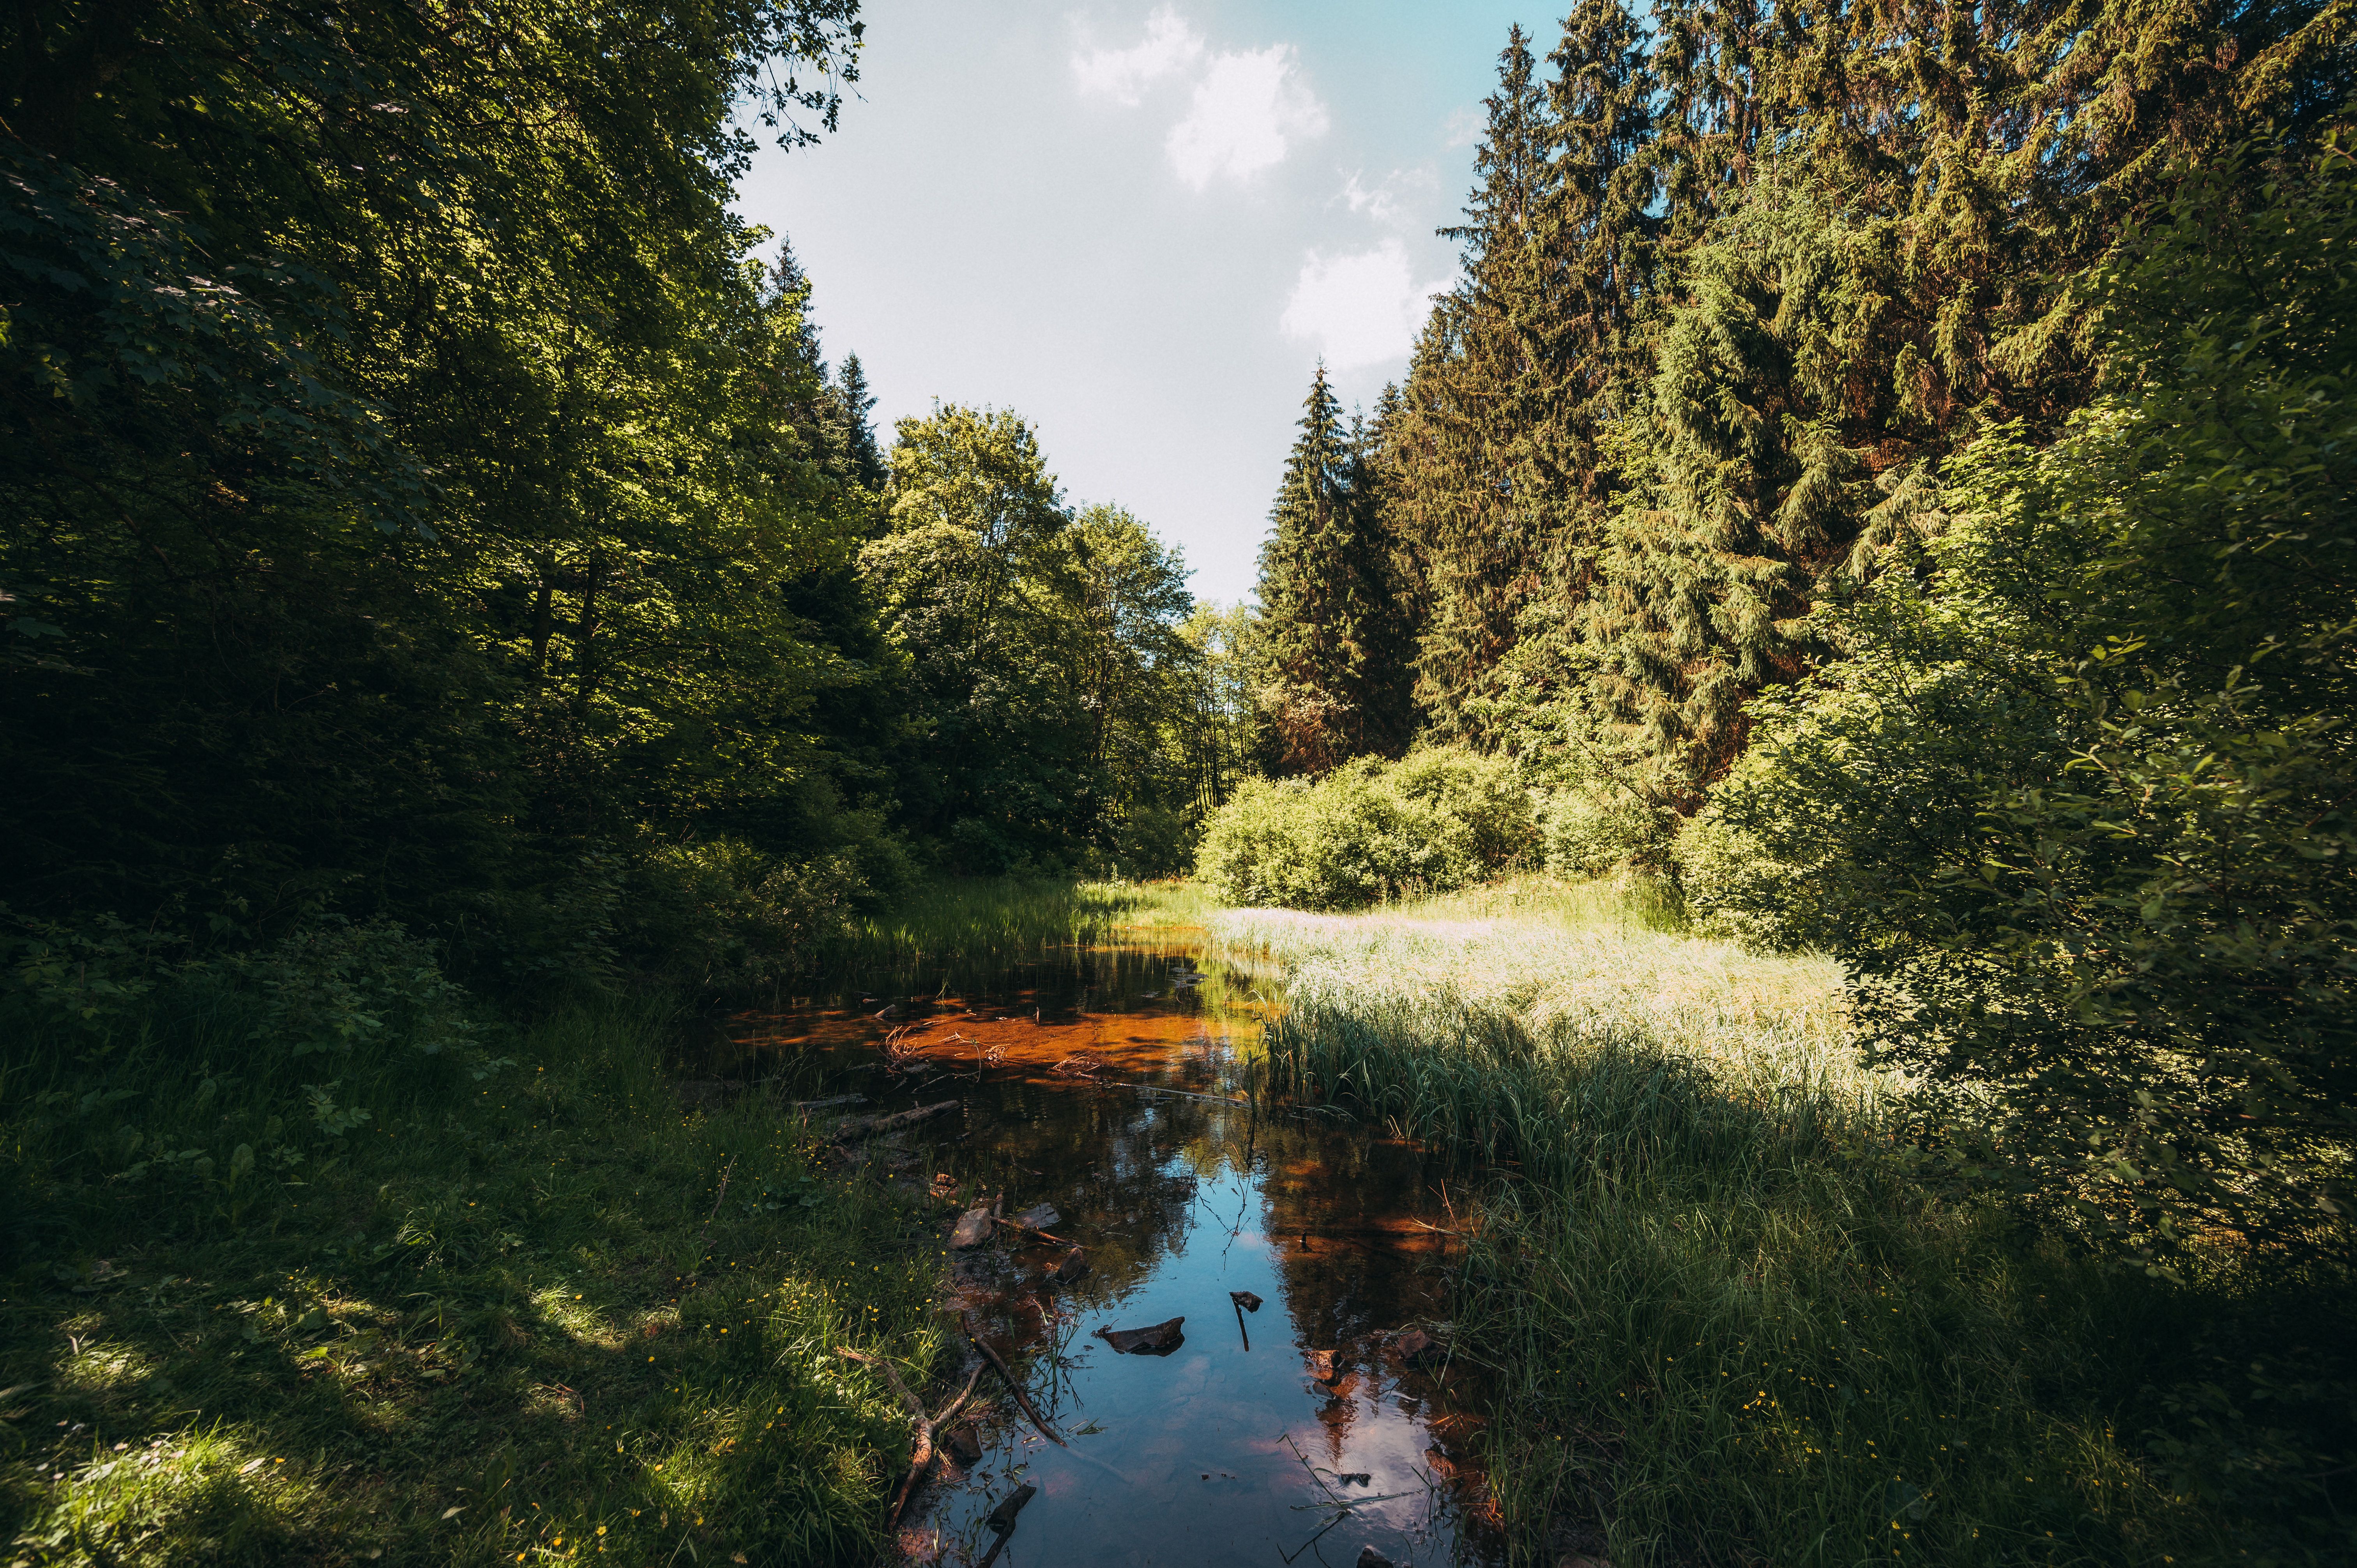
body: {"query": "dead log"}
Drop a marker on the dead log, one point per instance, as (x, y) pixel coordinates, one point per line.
(870, 1126)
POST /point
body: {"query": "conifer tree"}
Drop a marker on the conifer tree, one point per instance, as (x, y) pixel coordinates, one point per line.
(859, 433)
(1484, 481)
(1330, 603)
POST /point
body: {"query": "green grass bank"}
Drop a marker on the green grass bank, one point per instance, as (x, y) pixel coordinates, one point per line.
(312, 1257)
(1734, 1327)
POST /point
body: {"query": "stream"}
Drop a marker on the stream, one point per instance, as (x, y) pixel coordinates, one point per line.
(1103, 1082)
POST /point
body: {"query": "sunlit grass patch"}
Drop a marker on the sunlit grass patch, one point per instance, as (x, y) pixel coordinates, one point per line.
(1731, 1323)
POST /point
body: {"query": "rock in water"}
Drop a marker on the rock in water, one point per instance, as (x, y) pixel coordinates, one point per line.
(1075, 1264)
(962, 1443)
(1158, 1340)
(1041, 1216)
(1244, 1299)
(974, 1228)
(1371, 1558)
(1002, 1518)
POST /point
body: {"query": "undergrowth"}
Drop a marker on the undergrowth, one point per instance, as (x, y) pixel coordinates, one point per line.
(1733, 1325)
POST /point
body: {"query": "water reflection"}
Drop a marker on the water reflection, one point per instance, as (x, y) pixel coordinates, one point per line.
(1106, 1082)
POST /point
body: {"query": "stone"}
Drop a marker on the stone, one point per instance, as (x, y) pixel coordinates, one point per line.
(973, 1228)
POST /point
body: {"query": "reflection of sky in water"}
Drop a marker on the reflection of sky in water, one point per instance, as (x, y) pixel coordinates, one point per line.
(1179, 1202)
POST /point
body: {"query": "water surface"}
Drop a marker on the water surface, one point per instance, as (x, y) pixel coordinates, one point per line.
(1105, 1081)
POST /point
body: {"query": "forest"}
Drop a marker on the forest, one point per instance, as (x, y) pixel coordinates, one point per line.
(1878, 496)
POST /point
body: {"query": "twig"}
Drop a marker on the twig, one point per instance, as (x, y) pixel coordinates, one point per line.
(1035, 1230)
(920, 1458)
(1013, 1385)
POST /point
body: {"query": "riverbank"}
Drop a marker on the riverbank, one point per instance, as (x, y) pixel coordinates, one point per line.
(311, 1257)
(1732, 1324)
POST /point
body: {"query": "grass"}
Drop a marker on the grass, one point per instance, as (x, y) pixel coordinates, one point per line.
(996, 919)
(1732, 1324)
(490, 1305)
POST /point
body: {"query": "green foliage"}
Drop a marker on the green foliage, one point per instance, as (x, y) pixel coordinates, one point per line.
(2076, 809)
(1736, 283)
(1595, 830)
(409, 495)
(1045, 654)
(1436, 820)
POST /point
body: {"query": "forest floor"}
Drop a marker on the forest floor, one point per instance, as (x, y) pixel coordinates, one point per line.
(1734, 1321)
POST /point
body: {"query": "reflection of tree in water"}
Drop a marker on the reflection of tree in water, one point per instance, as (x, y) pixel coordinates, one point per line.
(1122, 1172)
(1366, 1270)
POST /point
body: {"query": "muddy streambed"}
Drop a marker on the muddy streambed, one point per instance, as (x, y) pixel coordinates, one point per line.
(1104, 1082)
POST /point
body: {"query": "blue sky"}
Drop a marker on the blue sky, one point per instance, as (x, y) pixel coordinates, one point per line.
(1139, 225)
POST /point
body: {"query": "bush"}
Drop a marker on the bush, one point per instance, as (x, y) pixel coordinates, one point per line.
(2076, 810)
(1596, 829)
(1433, 822)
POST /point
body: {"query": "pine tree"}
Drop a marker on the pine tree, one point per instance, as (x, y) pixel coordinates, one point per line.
(1330, 603)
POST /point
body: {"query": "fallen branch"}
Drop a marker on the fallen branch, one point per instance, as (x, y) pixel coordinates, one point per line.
(1013, 1385)
(870, 1126)
(1035, 1230)
(920, 1458)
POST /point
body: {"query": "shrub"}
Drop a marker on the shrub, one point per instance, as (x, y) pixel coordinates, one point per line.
(1596, 829)
(1369, 831)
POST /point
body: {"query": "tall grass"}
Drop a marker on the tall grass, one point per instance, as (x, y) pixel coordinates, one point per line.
(1733, 1325)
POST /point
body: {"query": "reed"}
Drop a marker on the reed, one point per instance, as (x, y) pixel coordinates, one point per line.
(1731, 1322)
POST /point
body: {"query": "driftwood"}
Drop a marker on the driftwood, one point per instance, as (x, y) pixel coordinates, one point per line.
(1157, 1339)
(823, 1105)
(920, 1458)
(870, 1126)
(1013, 1386)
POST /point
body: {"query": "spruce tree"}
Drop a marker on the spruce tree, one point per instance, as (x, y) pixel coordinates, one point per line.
(859, 433)
(1330, 603)
(1485, 476)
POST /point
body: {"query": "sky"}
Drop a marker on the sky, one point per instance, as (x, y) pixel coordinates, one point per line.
(1140, 226)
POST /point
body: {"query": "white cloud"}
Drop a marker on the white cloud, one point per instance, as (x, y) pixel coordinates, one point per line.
(1384, 202)
(1361, 308)
(1248, 107)
(1123, 75)
(1465, 125)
